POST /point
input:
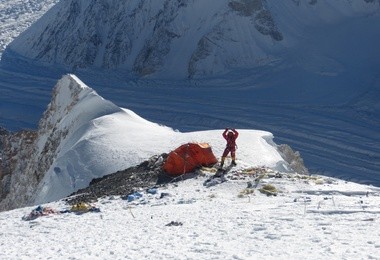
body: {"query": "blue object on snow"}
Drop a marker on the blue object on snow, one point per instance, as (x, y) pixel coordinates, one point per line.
(134, 196)
(131, 198)
(152, 191)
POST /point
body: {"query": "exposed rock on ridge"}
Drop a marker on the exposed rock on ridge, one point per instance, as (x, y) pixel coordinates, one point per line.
(293, 158)
(15, 151)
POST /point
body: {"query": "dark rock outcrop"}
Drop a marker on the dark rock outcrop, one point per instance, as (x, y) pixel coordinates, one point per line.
(147, 174)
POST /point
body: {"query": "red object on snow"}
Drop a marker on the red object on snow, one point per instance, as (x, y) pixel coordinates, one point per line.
(188, 157)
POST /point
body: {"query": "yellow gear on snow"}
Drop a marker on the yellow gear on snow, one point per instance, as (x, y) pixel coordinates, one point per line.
(81, 206)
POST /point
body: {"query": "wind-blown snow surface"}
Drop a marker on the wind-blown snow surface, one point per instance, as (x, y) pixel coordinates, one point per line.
(333, 220)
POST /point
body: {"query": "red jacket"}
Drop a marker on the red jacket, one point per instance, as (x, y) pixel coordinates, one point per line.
(231, 138)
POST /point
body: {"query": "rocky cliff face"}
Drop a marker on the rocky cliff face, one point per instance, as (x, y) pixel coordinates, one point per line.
(16, 150)
(181, 38)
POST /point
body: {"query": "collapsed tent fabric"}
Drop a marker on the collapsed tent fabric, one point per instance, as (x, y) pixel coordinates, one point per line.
(188, 157)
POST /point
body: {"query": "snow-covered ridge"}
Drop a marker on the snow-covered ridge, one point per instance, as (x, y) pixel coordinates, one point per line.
(82, 136)
(29, 160)
(148, 37)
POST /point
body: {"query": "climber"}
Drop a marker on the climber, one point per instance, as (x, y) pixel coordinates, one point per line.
(230, 137)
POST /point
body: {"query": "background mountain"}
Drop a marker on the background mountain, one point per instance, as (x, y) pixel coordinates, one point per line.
(148, 37)
(183, 38)
(308, 71)
(18, 15)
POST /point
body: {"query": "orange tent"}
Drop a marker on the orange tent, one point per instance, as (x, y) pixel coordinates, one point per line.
(188, 157)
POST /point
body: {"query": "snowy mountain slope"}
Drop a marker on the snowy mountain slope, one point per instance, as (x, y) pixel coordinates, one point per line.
(82, 136)
(142, 40)
(148, 37)
(18, 15)
(320, 218)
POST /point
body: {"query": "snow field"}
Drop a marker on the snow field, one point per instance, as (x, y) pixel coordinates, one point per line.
(306, 220)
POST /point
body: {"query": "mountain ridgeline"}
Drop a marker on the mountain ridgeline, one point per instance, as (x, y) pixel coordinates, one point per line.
(82, 136)
(181, 38)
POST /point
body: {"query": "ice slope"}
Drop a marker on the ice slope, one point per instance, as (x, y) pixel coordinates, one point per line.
(82, 136)
(322, 218)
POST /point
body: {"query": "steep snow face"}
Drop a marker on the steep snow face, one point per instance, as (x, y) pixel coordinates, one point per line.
(182, 38)
(82, 136)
